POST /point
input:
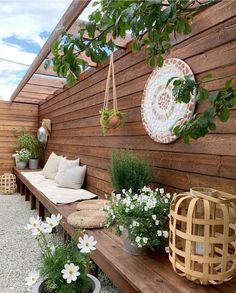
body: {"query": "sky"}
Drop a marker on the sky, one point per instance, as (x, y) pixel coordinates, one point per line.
(25, 25)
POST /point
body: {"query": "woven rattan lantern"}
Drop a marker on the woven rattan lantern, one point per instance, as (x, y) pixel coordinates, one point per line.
(8, 183)
(203, 235)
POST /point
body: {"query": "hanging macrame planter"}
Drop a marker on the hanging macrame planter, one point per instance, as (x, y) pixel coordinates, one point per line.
(110, 119)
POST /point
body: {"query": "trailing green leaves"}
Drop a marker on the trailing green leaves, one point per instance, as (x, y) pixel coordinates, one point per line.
(201, 124)
(149, 22)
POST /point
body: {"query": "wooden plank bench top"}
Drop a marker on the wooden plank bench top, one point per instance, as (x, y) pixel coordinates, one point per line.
(147, 274)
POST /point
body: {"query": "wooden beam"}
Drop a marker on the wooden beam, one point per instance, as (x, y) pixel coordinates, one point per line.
(30, 95)
(66, 21)
(39, 89)
(47, 81)
(27, 101)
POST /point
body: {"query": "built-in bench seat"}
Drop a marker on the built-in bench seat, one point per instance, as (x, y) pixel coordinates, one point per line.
(146, 274)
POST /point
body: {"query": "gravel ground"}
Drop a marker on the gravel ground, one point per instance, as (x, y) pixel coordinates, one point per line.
(19, 253)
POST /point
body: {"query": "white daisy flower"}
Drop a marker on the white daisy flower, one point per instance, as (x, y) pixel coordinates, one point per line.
(162, 190)
(54, 220)
(145, 240)
(32, 278)
(168, 195)
(121, 228)
(166, 200)
(70, 272)
(154, 217)
(165, 234)
(118, 196)
(46, 228)
(138, 239)
(132, 206)
(157, 222)
(167, 250)
(87, 244)
(130, 190)
(159, 233)
(34, 223)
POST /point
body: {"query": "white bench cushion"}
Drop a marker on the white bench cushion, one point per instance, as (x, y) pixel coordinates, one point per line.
(55, 193)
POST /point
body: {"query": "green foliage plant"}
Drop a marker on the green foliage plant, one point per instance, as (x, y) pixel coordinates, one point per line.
(22, 155)
(30, 142)
(151, 23)
(200, 124)
(145, 215)
(128, 171)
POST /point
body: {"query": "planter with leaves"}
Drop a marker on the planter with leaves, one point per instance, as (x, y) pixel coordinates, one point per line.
(141, 218)
(129, 171)
(31, 143)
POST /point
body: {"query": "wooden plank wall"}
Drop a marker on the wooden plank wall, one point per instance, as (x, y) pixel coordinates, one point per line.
(210, 161)
(14, 116)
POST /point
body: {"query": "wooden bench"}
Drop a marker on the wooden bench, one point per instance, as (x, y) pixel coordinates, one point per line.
(146, 274)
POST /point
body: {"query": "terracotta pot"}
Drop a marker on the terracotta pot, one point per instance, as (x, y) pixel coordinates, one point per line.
(114, 121)
(95, 285)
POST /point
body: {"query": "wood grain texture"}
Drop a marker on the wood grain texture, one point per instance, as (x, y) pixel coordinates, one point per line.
(209, 161)
(14, 116)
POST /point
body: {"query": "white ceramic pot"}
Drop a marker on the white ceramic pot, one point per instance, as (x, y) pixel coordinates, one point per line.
(21, 165)
(95, 285)
(33, 164)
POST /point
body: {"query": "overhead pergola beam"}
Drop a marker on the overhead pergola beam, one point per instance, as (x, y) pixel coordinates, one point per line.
(66, 21)
(46, 81)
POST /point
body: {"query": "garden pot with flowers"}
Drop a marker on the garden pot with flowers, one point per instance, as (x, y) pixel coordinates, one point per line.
(142, 218)
(64, 268)
(22, 157)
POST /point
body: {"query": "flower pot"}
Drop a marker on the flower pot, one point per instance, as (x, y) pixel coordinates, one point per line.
(114, 121)
(95, 285)
(131, 247)
(33, 163)
(21, 165)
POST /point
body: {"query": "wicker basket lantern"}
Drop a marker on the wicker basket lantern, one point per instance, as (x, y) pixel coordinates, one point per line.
(203, 235)
(8, 183)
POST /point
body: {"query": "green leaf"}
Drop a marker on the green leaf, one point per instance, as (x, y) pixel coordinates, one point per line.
(160, 60)
(170, 80)
(71, 79)
(135, 46)
(213, 97)
(224, 114)
(212, 126)
(228, 83)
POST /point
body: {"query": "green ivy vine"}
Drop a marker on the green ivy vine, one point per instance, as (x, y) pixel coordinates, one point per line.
(151, 24)
(200, 124)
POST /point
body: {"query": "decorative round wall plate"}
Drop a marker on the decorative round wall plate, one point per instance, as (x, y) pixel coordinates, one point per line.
(160, 112)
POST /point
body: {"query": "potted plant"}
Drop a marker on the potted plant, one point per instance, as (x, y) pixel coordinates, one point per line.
(129, 171)
(63, 267)
(110, 119)
(142, 218)
(22, 157)
(30, 142)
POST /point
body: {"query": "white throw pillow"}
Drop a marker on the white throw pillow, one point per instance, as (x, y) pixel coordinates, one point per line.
(72, 177)
(64, 164)
(51, 167)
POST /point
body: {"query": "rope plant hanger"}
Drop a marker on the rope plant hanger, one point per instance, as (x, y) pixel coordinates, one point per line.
(110, 118)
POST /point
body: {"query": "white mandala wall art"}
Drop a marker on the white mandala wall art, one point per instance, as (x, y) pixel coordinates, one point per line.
(160, 113)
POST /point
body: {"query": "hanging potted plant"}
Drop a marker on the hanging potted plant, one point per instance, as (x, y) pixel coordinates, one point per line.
(110, 119)
(63, 267)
